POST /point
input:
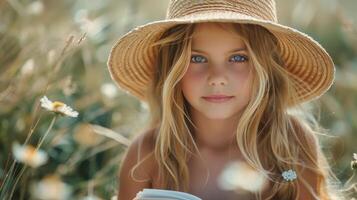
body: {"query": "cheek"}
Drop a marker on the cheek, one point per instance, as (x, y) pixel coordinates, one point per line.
(191, 82)
(240, 69)
(242, 80)
(194, 75)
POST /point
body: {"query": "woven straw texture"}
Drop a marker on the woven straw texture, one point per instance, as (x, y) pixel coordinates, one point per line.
(131, 59)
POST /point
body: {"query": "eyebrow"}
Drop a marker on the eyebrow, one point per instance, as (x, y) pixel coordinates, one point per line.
(233, 50)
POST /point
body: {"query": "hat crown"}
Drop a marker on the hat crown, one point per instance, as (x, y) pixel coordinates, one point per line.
(261, 9)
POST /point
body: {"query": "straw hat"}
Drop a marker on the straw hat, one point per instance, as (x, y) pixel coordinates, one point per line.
(131, 60)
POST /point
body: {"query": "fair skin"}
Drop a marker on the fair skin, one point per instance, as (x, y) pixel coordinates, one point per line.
(214, 69)
(219, 65)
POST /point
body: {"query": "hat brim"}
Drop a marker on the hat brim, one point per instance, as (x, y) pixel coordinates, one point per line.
(131, 59)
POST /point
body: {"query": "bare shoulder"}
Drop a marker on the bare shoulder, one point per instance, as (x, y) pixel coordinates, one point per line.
(137, 166)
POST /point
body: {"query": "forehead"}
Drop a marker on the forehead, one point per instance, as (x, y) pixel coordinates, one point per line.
(216, 33)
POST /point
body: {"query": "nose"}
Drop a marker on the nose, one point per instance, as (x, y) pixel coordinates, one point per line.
(217, 77)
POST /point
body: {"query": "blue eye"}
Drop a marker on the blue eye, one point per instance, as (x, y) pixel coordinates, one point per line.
(239, 58)
(196, 60)
(236, 58)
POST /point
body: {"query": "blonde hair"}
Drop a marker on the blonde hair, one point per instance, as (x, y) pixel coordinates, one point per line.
(269, 144)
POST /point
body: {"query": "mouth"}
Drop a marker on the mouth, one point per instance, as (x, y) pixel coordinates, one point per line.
(218, 98)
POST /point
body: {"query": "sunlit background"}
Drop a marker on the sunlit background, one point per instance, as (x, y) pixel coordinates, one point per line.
(59, 49)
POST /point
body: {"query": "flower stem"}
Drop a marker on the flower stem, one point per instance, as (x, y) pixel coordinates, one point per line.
(5, 185)
(32, 130)
(48, 130)
(17, 180)
(24, 167)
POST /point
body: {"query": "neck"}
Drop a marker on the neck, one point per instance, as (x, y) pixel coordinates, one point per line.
(215, 134)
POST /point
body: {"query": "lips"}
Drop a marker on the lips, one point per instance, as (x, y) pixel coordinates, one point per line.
(218, 98)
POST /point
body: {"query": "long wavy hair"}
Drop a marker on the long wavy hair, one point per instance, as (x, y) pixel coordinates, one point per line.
(273, 134)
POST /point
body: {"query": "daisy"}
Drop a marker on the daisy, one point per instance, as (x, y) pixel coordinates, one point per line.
(28, 155)
(50, 187)
(58, 107)
(354, 161)
(238, 175)
(91, 197)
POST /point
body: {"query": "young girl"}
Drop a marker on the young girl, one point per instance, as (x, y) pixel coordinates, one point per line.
(225, 83)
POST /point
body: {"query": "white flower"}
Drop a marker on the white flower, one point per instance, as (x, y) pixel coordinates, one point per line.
(354, 161)
(35, 8)
(144, 106)
(91, 197)
(51, 56)
(289, 175)
(109, 90)
(29, 155)
(238, 175)
(58, 107)
(50, 187)
(28, 67)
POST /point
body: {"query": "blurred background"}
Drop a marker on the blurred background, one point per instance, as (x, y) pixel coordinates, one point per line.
(60, 48)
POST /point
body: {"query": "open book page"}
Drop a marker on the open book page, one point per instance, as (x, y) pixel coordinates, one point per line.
(151, 194)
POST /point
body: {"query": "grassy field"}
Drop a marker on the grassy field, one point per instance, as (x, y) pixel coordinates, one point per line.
(59, 49)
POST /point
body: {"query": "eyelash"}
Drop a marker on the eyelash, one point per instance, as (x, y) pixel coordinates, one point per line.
(245, 57)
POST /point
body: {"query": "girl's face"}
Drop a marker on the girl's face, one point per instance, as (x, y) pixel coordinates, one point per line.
(219, 65)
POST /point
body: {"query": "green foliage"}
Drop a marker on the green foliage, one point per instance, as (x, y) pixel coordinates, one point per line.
(59, 49)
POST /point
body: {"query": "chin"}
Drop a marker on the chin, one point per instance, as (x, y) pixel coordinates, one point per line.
(218, 115)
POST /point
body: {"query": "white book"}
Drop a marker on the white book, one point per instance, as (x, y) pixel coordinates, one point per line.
(159, 194)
